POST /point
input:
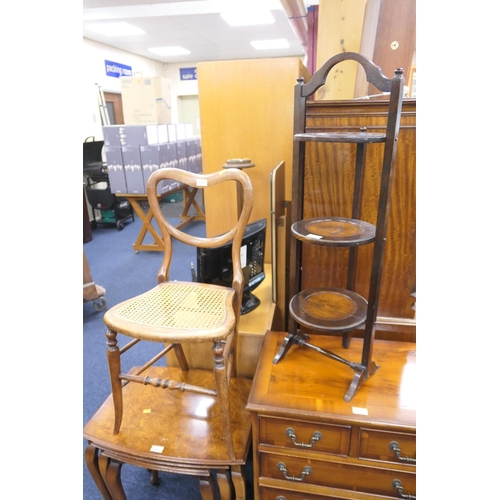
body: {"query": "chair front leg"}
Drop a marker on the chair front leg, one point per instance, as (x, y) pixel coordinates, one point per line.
(222, 384)
(114, 364)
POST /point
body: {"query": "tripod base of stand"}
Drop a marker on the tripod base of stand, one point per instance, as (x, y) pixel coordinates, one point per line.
(361, 372)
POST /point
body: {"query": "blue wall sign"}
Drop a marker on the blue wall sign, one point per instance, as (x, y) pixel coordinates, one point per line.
(188, 74)
(116, 69)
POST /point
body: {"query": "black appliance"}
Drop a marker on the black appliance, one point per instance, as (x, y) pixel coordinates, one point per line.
(114, 211)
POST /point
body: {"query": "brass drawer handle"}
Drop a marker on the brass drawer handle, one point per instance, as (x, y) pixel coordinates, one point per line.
(399, 486)
(315, 437)
(394, 446)
(307, 470)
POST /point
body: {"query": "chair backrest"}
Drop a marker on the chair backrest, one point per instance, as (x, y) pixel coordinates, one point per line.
(235, 234)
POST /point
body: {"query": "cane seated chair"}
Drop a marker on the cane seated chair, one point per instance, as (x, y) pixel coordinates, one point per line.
(176, 312)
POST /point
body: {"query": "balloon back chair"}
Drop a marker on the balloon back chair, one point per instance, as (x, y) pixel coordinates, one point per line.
(174, 313)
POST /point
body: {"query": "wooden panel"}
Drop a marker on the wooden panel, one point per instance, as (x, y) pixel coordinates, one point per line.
(396, 23)
(280, 246)
(368, 27)
(328, 192)
(283, 249)
(246, 111)
(340, 27)
(280, 493)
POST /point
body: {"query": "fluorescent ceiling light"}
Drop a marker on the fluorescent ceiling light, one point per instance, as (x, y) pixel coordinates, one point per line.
(280, 43)
(115, 29)
(247, 17)
(169, 51)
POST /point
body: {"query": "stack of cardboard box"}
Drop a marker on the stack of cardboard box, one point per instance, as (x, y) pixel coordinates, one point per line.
(133, 152)
(148, 140)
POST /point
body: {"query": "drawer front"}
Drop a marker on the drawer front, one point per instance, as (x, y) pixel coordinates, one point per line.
(395, 447)
(294, 434)
(268, 493)
(337, 475)
(276, 494)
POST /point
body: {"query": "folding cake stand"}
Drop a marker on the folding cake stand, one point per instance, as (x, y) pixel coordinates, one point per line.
(329, 310)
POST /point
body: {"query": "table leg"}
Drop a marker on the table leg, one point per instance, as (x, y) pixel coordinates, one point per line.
(147, 217)
(226, 490)
(189, 199)
(154, 478)
(238, 480)
(157, 245)
(92, 460)
(114, 481)
(207, 487)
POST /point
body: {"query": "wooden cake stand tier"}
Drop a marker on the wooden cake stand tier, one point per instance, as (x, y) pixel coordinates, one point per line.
(334, 231)
(329, 309)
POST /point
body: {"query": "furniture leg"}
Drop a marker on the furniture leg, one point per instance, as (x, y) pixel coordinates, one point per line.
(226, 491)
(110, 472)
(92, 460)
(207, 488)
(147, 217)
(346, 339)
(113, 480)
(189, 199)
(361, 374)
(114, 374)
(238, 480)
(221, 381)
(157, 245)
(154, 478)
(181, 358)
(290, 340)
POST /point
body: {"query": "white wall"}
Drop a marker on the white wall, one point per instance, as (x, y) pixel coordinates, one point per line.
(94, 55)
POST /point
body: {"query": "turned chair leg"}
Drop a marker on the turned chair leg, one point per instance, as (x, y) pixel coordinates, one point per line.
(114, 364)
(222, 384)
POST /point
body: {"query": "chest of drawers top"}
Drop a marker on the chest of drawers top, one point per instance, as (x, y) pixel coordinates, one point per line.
(305, 385)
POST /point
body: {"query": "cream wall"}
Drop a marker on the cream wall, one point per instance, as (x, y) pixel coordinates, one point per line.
(94, 55)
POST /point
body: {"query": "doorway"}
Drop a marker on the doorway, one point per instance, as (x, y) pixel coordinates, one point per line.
(189, 112)
(114, 107)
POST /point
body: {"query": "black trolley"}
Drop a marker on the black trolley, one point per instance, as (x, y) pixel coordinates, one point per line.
(114, 211)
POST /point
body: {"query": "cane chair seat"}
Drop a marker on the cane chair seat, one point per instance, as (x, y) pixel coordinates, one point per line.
(176, 312)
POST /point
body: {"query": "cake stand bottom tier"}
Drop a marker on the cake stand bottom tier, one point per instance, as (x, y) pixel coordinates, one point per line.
(329, 309)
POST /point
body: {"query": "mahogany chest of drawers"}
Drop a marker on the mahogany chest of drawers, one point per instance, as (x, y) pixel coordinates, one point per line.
(310, 444)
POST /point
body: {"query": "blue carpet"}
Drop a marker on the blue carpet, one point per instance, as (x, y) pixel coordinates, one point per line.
(124, 273)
